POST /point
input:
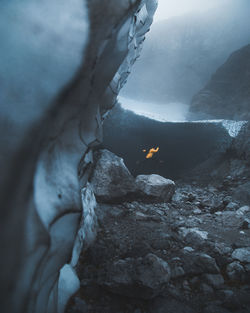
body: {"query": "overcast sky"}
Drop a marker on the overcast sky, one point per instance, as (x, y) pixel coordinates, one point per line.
(169, 8)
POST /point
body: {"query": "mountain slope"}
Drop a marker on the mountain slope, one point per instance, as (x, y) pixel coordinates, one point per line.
(227, 94)
(181, 53)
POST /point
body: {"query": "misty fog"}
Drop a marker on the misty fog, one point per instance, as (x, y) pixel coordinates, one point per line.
(181, 53)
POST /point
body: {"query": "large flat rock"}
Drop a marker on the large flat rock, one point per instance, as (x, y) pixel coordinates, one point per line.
(155, 186)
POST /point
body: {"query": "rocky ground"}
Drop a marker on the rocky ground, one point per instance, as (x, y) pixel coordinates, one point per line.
(191, 254)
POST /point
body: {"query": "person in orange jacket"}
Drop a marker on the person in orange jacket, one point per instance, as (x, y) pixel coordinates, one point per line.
(151, 152)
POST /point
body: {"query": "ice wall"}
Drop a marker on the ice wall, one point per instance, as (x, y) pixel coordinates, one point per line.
(62, 64)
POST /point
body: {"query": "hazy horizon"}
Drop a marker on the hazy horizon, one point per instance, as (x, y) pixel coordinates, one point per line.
(180, 54)
(169, 8)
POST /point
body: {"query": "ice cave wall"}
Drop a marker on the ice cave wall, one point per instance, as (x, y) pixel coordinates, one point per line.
(62, 65)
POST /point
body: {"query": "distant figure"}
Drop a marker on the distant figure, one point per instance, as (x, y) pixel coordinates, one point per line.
(150, 163)
(151, 152)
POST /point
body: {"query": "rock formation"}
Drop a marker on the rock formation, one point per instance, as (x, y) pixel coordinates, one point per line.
(62, 66)
(111, 179)
(189, 255)
(227, 94)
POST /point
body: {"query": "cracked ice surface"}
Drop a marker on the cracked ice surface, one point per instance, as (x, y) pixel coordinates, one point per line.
(45, 47)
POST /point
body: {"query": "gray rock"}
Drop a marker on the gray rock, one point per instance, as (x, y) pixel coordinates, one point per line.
(199, 263)
(245, 224)
(206, 263)
(141, 278)
(206, 289)
(193, 236)
(197, 211)
(225, 294)
(247, 268)
(216, 281)
(155, 186)
(230, 219)
(186, 231)
(188, 249)
(177, 272)
(222, 249)
(111, 179)
(242, 255)
(244, 209)
(232, 206)
(235, 271)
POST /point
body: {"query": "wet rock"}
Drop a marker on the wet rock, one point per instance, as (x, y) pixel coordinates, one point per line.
(216, 281)
(155, 186)
(242, 255)
(111, 179)
(236, 272)
(140, 278)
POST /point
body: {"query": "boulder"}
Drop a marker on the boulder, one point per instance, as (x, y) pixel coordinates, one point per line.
(199, 263)
(242, 255)
(236, 272)
(243, 210)
(155, 187)
(111, 179)
(193, 236)
(137, 277)
(216, 281)
(230, 219)
(232, 206)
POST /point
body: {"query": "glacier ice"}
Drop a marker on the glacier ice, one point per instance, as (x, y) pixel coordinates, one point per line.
(57, 80)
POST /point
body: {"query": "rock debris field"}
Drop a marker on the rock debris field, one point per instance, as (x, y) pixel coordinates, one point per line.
(185, 249)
